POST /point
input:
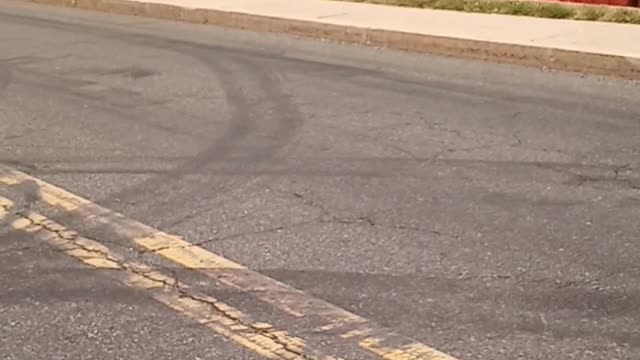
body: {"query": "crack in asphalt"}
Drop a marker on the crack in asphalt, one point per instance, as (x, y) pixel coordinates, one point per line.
(216, 239)
(579, 179)
(327, 218)
(64, 234)
(629, 183)
(256, 329)
(228, 237)
(305, 200)
(518, 140)
(517, 143)
(367, 220)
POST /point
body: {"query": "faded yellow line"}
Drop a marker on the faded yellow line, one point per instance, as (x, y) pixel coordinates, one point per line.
(223, 319)
(380, 341)
(407, 352)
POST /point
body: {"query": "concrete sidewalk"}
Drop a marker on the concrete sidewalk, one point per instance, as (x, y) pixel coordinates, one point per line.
(601, 48)
(583, 36)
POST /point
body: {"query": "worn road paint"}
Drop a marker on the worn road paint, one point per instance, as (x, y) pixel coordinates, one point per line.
(223, 319)
(5, 206)
(382, 342)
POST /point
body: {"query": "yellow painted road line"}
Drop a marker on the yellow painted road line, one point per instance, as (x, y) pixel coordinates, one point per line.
(5, 206)
(377, 340)
(223, 319)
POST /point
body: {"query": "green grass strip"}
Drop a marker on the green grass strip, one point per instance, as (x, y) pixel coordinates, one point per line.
(523, 8)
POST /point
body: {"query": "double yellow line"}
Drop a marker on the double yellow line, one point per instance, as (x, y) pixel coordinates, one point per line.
(219, 317)
(225, 320)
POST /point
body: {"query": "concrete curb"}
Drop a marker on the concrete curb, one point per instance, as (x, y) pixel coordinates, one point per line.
(556, 59)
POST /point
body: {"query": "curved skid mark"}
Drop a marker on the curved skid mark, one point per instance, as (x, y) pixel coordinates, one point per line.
(282, 122)
(284, 116)
(239, 126)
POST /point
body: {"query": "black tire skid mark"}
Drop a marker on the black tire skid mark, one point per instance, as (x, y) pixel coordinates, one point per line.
(217, 150)
(239, 126)
(240, 131)
(283, 123)
(286, 119)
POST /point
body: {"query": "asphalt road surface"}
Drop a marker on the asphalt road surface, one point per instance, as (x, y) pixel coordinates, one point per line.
(489, 211)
